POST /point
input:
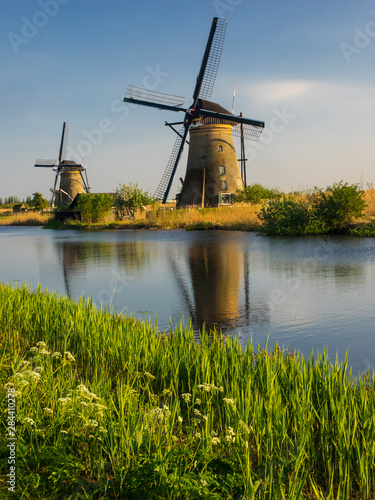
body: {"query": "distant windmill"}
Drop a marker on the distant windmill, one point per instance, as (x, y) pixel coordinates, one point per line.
(72, 180)
(212, 172)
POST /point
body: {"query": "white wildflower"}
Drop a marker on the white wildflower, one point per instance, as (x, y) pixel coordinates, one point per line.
(229, 402)
(155, 414)
(148, 375)
(24, 363)
(180, 419)
(197, 401)
(186, 397)
(69, 356)
(41, 344)
(39, 369)
(215, 441)
(33, 375)
(198, 435)
(23, 383)
(203, 482)
(28, 420)
(64, 400)
(104, 431)
(175, 438)
(44, 352)
(82, 388)
(48, 411)
(64, 432)
(57, 354)
(91, 423)
(208, 387)
(33, 349)
(166, 392)
(91, 436)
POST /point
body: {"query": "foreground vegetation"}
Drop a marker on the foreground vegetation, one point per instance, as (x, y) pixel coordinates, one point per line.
(108, 408)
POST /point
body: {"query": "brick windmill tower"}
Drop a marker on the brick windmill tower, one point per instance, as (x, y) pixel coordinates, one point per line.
(73, 177)
(212, 172)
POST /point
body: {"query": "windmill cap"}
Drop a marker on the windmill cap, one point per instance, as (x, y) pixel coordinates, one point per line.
(213, 106)
(69, 162)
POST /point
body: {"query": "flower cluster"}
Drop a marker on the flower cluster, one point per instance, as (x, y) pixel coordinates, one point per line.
(186, 397)
(231, 436)
(157, 415)
(210, 387)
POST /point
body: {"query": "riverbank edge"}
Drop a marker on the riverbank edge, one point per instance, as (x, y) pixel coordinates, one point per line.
(361, 229)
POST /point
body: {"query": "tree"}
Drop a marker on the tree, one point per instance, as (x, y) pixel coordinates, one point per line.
(38, 202)
(130, 197)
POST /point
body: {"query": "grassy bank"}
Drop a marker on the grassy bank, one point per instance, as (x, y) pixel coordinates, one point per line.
(236, 217)
(108, 408)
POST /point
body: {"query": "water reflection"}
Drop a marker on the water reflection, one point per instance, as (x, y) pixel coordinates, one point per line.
(216, 285)
(77, 258)
(307, 293)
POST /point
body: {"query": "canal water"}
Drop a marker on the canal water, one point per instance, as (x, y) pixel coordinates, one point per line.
(308, 293)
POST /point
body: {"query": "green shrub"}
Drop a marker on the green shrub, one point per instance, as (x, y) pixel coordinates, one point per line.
(289, 217)
(328, 211)
(338, 205)
(256, 193)
(364, 230)
(94, 207)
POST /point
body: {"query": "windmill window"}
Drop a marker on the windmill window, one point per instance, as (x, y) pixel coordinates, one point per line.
(224, 186)
(224, 199)
(220, 148)
(221, 169)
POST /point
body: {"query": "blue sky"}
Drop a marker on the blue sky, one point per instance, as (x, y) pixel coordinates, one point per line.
(304, 67)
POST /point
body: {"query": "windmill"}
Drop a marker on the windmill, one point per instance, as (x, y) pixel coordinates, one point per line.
(72, 180)
(212, 172)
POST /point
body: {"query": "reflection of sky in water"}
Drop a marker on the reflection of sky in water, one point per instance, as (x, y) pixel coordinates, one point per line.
(303, 292)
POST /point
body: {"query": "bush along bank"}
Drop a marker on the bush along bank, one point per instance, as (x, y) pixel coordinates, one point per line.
(109, 408)
(322, 212)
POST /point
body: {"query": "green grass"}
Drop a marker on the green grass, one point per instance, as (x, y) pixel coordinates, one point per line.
(109, 408)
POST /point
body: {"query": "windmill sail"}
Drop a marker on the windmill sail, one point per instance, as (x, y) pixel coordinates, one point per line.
(45, 163)
(211, 60)
(163, 184)
(138, 95)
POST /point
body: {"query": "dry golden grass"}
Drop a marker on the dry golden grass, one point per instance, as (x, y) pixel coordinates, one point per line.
(239, 216)
(370, 202)
(25, 219)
